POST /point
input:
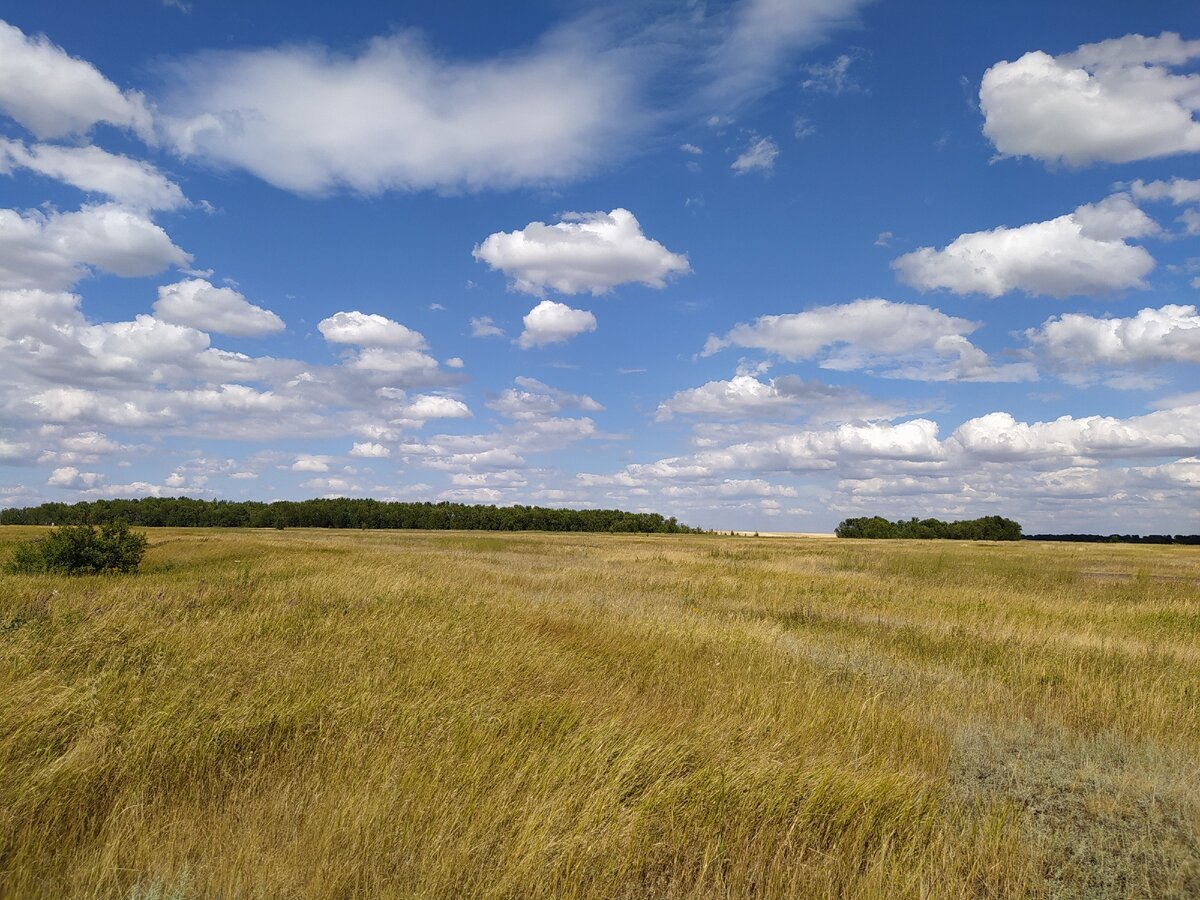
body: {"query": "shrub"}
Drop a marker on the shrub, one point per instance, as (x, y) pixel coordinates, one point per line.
(82, 550)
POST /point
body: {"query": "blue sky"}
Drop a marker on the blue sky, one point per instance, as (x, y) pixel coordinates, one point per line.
(762, 264)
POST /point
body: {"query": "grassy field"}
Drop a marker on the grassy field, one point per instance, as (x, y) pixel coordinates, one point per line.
(312, 714)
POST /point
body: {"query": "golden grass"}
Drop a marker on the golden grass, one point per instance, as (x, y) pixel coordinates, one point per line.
(313, 714)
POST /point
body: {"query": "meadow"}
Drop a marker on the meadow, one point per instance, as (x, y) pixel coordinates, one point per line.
(337, 714)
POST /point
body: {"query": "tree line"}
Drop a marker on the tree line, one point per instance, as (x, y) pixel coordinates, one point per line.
(188, 512)
(988, 528)
(1119, 538)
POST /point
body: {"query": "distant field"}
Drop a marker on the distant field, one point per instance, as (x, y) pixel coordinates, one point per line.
(315, 714)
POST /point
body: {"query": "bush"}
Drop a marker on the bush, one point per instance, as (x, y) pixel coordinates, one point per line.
(82, 550)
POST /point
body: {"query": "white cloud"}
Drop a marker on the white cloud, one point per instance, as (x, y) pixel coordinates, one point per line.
(13, 453)
(54, 250)
(1083, 252)
(71, 477)
(999, 436)
(55, 95)
(369, 330)
(1190, 221)
(1177, 190)
(803, 451)
(758, 157)
(147, 373)
(533, 400)
(85, 447)
(692, 149)
(369, 450)
(746, 397)
(332, 487)
(1082, 344)
(1115, 101)
(198, 304)
(831, 78)
(763, 36)
(894, 340)
(391, 365)
(129, 182)
(394, 115)
(990, 464)
(552, 323)
(496, 460)
(582, 252)
(434, 406)
(483, 326)
(45, 336)
(310, 463)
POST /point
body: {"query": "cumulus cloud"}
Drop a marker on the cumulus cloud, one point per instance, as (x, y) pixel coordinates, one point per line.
(370, 450)
(198, 304)
(582, 252)
(310, 463)
(747, 397)
(497, 461)
(993, 463)
(1082, 346)
(999, 436)
(129, 182)
(554, 323)
(894, 340)
(54, 250)
(533, 400)
(758, 157)
(45, 335)
(1084, 252)
(483, 326)
(389, 366)
(71, 477)
(147, 373)
(1177, 190)
(369, 330)
(55, 95)
(434, 406)
(395, 115)
(801, 451)
(1116, 101)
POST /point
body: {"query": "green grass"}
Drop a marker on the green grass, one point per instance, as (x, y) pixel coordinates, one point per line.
(435, 714)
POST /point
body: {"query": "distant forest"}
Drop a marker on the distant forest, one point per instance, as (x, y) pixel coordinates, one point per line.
(339, 513)
(989, 528)
(1119, 538)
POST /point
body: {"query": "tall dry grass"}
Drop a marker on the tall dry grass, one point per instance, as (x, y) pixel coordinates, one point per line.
(387, 714)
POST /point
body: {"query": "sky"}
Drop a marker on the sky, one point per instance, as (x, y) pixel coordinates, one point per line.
(761, 264)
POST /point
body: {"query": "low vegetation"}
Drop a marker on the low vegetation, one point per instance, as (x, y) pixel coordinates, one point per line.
(317, 714)
(988, 528)
(81, 550)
